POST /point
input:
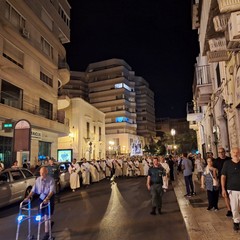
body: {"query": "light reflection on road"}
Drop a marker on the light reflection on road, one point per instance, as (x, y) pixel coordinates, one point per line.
(112, 222)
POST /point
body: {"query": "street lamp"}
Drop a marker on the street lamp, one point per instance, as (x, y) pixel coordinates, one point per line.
(173, 133)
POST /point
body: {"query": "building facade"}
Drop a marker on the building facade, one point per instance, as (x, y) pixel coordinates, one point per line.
(214, 112)
(32, 68)
(87, 131)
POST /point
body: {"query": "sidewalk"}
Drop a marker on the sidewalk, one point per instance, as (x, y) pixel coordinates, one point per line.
(200, 223)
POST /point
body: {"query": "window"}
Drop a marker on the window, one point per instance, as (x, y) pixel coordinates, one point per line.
(47, 19)
(46, 47)
(4, 177)
(17, 175)
(64, 15)
(88, 130)
(11, 95)
(46, 77)
(27, 173)
(94, 129)
(44, 148)
(45, 109)
(14, 16)
(100, 134)
(13, 54)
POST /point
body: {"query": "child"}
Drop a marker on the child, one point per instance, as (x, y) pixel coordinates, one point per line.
(209, 177)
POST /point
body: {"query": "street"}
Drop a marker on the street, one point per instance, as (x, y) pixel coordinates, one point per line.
(107, 211)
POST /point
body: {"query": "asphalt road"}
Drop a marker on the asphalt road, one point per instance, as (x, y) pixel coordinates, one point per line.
(104, 211)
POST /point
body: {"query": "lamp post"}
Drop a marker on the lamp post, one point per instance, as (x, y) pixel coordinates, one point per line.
(173, 133)
(90, 150)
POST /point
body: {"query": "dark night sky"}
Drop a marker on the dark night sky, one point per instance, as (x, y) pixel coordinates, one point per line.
(153, 36)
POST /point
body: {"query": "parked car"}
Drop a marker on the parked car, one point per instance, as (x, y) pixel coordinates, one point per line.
(63, 178)
(15, 185)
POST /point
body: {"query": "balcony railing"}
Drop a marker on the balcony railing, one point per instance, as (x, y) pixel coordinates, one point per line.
(191, 108)
(203, 75)
(218, 56)
(220, 22)
(217, 44)
(18, 103)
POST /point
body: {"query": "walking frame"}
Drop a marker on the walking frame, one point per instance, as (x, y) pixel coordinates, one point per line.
(25, 213)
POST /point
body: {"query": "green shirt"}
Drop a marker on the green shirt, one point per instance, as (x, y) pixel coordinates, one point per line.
(156, 174)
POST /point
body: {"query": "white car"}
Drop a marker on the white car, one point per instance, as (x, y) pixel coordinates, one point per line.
(15, 185)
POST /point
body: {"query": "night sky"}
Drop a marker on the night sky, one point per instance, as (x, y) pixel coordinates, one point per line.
(154, 37)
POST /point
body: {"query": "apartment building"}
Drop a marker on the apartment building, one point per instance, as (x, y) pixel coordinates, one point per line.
(32, 68)
(77, 86)
(214, 113)
(145, 109)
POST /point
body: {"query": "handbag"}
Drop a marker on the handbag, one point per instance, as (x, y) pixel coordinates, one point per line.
(215, 182)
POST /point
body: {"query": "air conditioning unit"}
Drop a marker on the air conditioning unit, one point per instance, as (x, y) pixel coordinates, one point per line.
(234, 27)
(25, 33)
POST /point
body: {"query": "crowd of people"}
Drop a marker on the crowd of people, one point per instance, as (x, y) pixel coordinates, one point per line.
(218, 176)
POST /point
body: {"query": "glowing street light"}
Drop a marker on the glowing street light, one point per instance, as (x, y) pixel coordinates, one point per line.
(173, 133)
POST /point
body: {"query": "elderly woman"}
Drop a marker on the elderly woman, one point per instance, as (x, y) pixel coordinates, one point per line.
(209, 179)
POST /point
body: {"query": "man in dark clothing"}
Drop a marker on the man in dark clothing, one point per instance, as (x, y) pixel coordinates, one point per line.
(171, 166)
(231, 184)
(154, 184)
(218, 164)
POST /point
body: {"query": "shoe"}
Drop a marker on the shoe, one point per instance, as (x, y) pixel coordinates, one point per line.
(160, 211)
(153, 212)
(73, 190)
(216, 209)
(229, 213)
(187, 195)
(235, 226)
(209, 209)
(46, 237)
(193, 194)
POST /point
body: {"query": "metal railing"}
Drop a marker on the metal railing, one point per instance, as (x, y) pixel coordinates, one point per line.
(19, 103)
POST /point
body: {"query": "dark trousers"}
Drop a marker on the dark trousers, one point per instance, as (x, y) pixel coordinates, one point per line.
(156, 192)
(189, 184)
(212, 198)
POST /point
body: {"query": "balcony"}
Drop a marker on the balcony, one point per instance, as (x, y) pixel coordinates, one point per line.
(220, 22)
(193, 125)
(63, 72)
(218, 50)
(16, 108)
(63, 102)
(36, 120)
(228, 5)
(218, 56)
(209, 9)
(193, 114)
(202, 86)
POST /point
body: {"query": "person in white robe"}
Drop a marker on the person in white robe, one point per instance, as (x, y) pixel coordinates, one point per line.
(108, 168)
(74, 170)
(85, 170)
(145, 167)
(165, 165)
(94, 171)
(136, 167)
(118, 167)
(130, 168)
